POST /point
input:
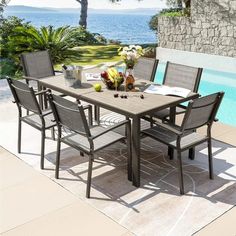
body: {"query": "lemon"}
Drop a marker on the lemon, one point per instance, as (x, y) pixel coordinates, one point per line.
(97, 87)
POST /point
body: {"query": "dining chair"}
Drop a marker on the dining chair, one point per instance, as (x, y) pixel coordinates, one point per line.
(87, 139)
(42, 120)
(200, 112)
(37, 65)
(145, 68)
(177, 75)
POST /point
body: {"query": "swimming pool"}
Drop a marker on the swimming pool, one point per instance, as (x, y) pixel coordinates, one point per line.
(215, 81)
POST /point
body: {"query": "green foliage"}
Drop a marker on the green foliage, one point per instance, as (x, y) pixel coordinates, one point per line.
(84, 37)
(59, 41)
(7, 28)
(153, 23)
(174, 12)
(18, 36)
(171, 12)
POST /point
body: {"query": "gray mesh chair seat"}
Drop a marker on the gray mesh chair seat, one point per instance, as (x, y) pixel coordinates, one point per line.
(82, 142)
(35, 120)
(146, 68)
(177, 75)
(200, 112)
(86, 139)
(170, 138)
(25, 98)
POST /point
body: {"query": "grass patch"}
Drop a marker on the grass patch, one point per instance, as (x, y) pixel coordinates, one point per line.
(92, 55)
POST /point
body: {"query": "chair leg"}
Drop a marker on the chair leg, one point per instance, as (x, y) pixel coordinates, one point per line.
(19, 135)
(42, 148)
(90, 168)
(58, 154)
(191, 153)
(211, 174)
(180, 173)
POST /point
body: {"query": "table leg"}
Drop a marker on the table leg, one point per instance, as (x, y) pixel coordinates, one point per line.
(136, 151)
(172, 121)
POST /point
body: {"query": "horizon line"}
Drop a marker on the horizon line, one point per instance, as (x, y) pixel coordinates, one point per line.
(88, 8)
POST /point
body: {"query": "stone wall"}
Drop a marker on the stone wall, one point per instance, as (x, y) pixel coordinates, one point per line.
(210, 29)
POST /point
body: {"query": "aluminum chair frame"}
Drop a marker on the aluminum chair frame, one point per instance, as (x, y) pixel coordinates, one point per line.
(80, 126)
(177, 134)
(168, 81)
(25, 97)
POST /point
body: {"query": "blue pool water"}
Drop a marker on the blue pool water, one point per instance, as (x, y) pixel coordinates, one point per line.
(215, 81)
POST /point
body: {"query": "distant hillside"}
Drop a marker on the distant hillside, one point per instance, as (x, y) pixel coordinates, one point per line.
(21, 8)
(138, 11)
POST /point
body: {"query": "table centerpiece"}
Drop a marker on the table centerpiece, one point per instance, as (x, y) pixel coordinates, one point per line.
(112, 78)
(130, 55)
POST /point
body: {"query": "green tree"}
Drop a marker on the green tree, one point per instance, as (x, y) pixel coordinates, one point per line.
(7, 28)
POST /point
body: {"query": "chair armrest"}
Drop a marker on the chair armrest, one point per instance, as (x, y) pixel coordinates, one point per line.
(41, 92)
(110, 129)
(86, 106)
(170, 128)
(47, 113)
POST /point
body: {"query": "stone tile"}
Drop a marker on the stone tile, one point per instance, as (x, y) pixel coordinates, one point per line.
(224, 225)
(4, 155)
(229, 137)
(76, 219)
(14, 171)
(29, 200)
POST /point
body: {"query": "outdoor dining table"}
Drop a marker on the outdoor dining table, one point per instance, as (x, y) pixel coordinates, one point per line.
(133, 107)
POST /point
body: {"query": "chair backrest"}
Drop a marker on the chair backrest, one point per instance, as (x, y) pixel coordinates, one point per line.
(146, 68)
(182, 76)
(37, 64)
(24, 96)
(202, 111)
(69, 114)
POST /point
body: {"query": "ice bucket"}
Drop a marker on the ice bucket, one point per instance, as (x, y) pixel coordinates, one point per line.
(72, 75)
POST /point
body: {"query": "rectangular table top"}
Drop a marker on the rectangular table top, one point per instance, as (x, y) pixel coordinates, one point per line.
(131, 106)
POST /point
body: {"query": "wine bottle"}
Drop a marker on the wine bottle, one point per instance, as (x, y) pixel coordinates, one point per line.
(64, 67)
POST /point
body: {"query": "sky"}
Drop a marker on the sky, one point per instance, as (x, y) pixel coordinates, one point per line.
(98, 4)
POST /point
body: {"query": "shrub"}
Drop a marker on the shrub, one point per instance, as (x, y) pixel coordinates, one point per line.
(171, 12)
(7, 28)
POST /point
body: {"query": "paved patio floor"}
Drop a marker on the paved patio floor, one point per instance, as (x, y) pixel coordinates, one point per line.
(32, 202)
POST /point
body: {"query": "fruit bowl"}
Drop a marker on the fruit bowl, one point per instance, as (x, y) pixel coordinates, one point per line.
(112, 78)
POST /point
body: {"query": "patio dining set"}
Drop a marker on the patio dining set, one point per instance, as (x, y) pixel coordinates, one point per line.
(54, 105)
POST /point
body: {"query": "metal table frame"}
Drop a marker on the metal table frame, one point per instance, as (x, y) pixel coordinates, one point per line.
(105, 100)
